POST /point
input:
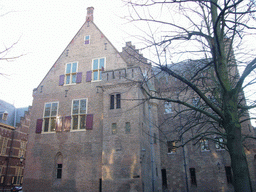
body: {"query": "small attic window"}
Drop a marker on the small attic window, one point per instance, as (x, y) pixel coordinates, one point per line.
(87, 39)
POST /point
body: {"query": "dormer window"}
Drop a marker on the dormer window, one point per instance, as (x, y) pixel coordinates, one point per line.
(70, 73)
(4, 116)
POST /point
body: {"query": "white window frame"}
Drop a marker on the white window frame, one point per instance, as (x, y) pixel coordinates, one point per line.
(204, 145)
(196, 101)
(50, 118)
(22, 149)
(99, 69)
(218, 144)
(78, 114)
(4, 145)
(71, 73)
(167, 107)
(18, 175)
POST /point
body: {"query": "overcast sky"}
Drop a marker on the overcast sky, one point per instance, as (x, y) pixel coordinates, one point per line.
(43, 28)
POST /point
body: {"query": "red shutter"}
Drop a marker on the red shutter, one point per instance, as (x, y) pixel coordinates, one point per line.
(79, 77)
(67, 124)
(61, 80)
(89, 121)
(59, 124)
(39, 124)
(88, 76)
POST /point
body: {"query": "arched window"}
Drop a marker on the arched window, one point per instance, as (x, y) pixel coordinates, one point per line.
(59, 165)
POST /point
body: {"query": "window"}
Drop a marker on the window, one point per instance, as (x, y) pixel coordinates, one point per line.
(228, 174)
(4, 116)
(59, 171)
(17, 179)
(50, 114)
(98, 66)
(219, 143)
(22, 149)
(4, 143)
(115, 100)
(171, 146)
(204, 144)
(70, 73)
(79, 111)
(59, 165)
(114, 129)
(195, 101)
(127, 127)
(167, 107)
(87, 39)
(155, 138)
(164, 178)
(193, 176)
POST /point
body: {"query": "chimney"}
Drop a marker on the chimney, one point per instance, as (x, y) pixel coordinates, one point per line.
(89, 16)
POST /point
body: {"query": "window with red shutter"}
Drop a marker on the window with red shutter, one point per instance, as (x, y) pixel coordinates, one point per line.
(79, 77)
(61, 80)
(67, 124)
(88, 76)
(39, 124)
(89, 121)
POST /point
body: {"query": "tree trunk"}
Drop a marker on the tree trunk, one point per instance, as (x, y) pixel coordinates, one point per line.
(238, 162)
(241, 177)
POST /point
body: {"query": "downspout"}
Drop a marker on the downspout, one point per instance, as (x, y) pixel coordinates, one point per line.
(151, 148)
(184, 155)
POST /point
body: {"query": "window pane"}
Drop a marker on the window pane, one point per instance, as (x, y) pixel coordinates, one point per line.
(100, 75)
(87, 37)
(95, 75)
(59, 171)
(82, 121)
(168, 107)
(114, 128)
(47, 109)
(75, 106)
(46, 125)
(53, 124)
(74, 78)
(118, 101)
(102, 63)
(95, 64)
(74, 67)
(54, 109)
(127, 127)
(83, 106)
(75, 122)
(112, 100)
(68, 69)
(67, 79)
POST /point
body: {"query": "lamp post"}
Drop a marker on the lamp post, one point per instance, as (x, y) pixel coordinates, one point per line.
(22, 159)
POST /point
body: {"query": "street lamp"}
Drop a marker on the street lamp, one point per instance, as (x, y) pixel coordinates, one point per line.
(21, 159)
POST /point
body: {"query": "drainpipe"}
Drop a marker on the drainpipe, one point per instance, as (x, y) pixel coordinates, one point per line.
(183, 150)
(151, 147)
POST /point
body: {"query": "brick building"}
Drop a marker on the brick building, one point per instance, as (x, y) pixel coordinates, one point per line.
(14, 125)
(92, 128)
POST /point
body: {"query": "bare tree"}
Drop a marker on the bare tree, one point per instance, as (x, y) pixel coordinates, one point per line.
(206, 32)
